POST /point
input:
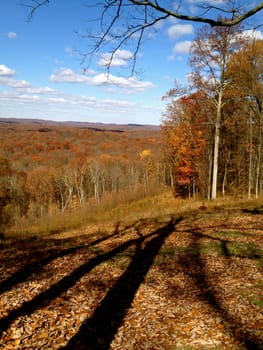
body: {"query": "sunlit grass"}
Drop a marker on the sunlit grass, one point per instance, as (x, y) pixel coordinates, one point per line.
(129, 207)
(233, 234)
(230, 249)
(257, 302)
(109, 210)
(248, 250)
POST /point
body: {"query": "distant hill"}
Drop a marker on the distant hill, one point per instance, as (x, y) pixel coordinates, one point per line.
(92, 126)
(32, 143)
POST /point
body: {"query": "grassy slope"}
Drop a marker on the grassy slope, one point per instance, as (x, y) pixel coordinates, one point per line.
(108, 214)
(158, 273)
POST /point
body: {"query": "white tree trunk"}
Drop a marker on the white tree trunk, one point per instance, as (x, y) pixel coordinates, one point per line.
(216, 145)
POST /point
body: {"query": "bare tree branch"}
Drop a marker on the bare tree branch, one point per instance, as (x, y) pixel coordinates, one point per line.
(122, 39)
(202, 19)
(34, 7)
(126, 21)
(236, 18)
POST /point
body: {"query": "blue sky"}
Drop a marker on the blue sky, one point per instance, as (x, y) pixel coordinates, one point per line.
(41, 75)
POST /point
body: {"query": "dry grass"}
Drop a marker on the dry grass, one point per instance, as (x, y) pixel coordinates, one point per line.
(165, 274)
(127, 209)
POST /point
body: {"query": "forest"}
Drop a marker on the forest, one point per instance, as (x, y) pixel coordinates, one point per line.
(47, 167)
(137, 236)
(157, 272)
(214, 132)
(208, 145)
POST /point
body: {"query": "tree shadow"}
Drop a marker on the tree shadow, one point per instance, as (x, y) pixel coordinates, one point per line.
(141, 261)
(194, 266)
(255, 211)
(36, 260)
(98, 331)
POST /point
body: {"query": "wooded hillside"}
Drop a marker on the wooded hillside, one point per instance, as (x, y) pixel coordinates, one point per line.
(214, 132)
(49, 167)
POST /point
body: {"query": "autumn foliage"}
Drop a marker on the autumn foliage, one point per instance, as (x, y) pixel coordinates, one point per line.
(48, 168)
(184, 132)
(191, 122)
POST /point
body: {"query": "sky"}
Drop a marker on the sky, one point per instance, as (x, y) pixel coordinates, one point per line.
(42, 75)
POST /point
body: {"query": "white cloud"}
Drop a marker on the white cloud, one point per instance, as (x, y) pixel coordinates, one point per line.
(178, 30)
(130, 85)
(6, 81)
(11, 35)
(58, 99)
(22, 86)
(89, 71)
(247, 36)
(253, 34)
(69, 50)
(6, 71)
(118, 59)
(195, 7)
(170, 58)
(36, 90)
(182, 47)
(62, 106)
(22, 99)
(30, 98)
(66, 75)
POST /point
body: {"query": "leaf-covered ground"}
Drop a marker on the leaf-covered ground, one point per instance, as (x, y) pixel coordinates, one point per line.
(189, 282)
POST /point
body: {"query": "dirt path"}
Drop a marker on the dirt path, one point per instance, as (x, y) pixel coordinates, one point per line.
(190, 282)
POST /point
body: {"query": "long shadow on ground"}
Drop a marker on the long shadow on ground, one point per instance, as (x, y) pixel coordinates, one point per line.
(68, 281)
(98, 331)
(36, 261)
(194, 266)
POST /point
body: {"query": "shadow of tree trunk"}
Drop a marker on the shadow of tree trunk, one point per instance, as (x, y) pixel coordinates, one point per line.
(68, 281)
(36, 262)
(98, 331)
(195, 267)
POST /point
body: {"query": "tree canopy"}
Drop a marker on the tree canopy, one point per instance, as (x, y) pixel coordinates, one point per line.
(214, 136)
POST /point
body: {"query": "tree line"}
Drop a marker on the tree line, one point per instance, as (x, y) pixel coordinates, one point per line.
(45, 171)
(213, 131)
(211, 140)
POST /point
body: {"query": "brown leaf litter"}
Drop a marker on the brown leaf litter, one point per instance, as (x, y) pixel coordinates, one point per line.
(188, 283)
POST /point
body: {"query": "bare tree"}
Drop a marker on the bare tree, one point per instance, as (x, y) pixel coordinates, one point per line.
(210, 53)
(126, 21)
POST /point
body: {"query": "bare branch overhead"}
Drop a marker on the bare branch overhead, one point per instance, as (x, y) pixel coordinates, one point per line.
(123, 22)
(236, 17)
(238, 14)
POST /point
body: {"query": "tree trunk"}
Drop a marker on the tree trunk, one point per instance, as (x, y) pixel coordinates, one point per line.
(258, 164)
(216, 145)
(250, 158)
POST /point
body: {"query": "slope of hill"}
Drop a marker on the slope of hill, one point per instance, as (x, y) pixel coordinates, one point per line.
(185, 278)
(34, 142)
(97, 126)
(49, 167)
